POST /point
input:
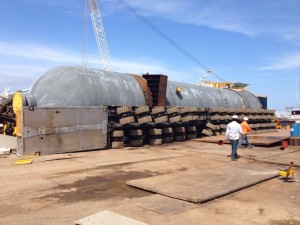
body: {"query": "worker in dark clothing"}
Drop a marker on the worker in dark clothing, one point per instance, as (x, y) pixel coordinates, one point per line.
(283, 124)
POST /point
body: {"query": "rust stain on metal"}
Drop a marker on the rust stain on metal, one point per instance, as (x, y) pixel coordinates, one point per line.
(146, 90)
(158, 86)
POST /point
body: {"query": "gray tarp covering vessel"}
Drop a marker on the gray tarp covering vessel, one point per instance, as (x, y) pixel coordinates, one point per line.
(79, 86)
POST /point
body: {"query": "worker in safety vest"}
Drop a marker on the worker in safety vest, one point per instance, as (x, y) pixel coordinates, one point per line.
(246, 128)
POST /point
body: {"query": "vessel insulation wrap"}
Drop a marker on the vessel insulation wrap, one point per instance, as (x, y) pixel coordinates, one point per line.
(78, 86)
(250, 100)
(201, 96)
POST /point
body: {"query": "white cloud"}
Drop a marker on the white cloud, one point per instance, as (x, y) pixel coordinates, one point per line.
(134, 66)
(249, 18)
(19, 71)
(39, 52)
(273, 18)
(51, 56)
(289, 62)
(32, 60)
(22, 63)
(139, 67)
(19, 76)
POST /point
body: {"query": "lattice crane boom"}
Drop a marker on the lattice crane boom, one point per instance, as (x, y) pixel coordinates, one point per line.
(100, 35)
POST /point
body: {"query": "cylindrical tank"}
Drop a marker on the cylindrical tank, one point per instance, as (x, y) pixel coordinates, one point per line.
(201, 96)
(78, 86)
(250, 100)
(295, 130)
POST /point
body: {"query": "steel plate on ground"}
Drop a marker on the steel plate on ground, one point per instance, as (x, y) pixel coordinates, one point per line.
(206, 184)
(254, 139)
(164, 205)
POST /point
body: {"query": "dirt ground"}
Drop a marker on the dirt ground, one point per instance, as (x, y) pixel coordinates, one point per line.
(62, 188)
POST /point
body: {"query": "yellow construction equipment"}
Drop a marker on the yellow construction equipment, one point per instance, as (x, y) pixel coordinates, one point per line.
(230, 85)
(22, 161)
(288, 172)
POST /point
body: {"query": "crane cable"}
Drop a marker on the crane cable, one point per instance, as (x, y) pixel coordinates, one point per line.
(169, 40)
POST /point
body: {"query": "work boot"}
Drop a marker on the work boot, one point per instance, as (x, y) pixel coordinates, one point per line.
(251, 146)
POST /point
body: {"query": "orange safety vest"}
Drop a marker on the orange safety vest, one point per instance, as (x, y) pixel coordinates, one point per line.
(245, 127)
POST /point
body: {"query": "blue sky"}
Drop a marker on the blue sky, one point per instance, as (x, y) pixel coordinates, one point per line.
(255, 42)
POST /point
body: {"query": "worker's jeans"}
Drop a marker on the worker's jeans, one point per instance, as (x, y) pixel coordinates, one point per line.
(244, 138)
(234, 146)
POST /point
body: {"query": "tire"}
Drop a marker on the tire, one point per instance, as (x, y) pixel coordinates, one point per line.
(179, 129)
(126, 120)
(171, 110)
(207, 132)
(136, 143)
(186, 118)
(211, 126)
(179, 138)
(123, 109)
(117, 133)
(158, 109)
(161, 119)
(167, 130)
(201, 109)
(195, 117)
(222, 118)
(223, 126)
(175, 119)
(213, 110)
(141, 109)
(145, 119)
(191, 128)
(183, 110)
(155, 131)
(193, 109)
(137, 132)
(155, 141)
(117, 144)
(202, 117)
(218, 127)
(167, 140)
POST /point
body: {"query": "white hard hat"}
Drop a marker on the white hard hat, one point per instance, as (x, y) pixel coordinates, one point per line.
(245, 118)
(234, 117)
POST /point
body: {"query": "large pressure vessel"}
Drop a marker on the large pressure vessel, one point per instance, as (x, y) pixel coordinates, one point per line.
(79, 86)
(201, 96)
